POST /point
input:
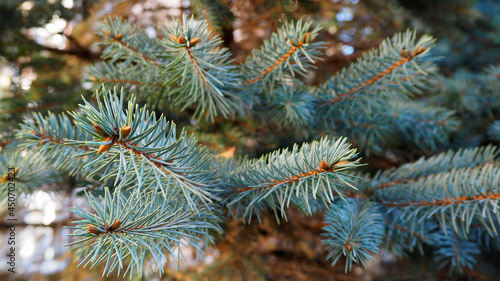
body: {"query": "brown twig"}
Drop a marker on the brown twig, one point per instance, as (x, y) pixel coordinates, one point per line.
(290, 52)
(406, 57)
(324, 167)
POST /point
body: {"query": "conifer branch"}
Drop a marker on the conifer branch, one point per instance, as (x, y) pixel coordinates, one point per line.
(456, 251)
(118, 40)
(137, 141)
(477, 189)
(371, 103)
(126, 40)
(425, 126)
(147, 83)
(127, 231)
(290, 107)
(444, 201)
(323, 168)
(399, 64)
(415, 179)
(54, 137)
(494, 131)
(407, 234)
(403, 229)
(164, 183)
(316, 170)
(23, 174)
(464, 159)
(370, 131)
(217, 13)
(55, 141)
(405, 58)
(355, 230)
(205, 76)
(290, 52)
(195, 64)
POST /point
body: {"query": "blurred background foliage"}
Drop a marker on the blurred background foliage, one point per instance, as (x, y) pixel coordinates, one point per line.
(45, 46)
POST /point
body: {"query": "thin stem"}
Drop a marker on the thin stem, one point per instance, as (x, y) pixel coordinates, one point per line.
(290, 52)
(405, 59)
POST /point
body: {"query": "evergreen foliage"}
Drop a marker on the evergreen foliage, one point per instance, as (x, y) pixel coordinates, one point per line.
(163, 190)
(205, 78)
(28, 174)
(316, 170)
(26, 55)
(355, 228)
(48, 135)
(471, 33)
(123, 230)
(475, 99)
